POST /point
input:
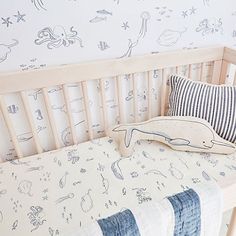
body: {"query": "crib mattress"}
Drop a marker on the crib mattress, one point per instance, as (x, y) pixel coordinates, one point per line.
(58, 192)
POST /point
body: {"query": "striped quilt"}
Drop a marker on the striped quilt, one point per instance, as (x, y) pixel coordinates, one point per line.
(194, 212)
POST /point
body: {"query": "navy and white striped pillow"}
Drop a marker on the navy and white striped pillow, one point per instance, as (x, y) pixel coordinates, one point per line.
(214, 103)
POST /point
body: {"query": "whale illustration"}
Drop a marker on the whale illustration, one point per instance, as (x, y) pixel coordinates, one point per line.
(180, 133)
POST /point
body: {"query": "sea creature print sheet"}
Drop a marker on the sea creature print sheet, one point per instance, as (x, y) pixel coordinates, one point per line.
(61, 191)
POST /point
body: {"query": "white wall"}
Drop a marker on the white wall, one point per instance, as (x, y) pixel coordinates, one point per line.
(100, 29)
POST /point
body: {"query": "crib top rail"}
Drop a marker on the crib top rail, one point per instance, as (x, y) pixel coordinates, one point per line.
(229, 55)
(26, 80)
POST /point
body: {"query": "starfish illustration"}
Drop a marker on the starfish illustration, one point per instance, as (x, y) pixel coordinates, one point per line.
(184, 13)
(125, 25)
(19, 17)
(192, 10)
(6, 21)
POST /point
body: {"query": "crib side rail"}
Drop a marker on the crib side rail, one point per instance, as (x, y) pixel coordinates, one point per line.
(229, 64)
(13, 82)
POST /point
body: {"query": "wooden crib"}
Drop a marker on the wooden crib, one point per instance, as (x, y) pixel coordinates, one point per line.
(222, 60)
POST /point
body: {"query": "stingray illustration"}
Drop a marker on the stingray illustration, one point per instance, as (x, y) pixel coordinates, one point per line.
(5, 49)
(180, 133)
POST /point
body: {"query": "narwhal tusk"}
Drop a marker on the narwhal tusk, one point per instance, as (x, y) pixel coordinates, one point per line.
(223, 144)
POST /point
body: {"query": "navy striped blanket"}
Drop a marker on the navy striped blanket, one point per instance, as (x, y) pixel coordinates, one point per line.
(195, 212)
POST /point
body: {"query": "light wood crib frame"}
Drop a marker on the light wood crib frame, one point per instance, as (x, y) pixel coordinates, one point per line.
(20, 82)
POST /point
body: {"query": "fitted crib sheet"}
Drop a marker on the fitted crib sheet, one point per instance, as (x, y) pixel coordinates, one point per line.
(58, 192)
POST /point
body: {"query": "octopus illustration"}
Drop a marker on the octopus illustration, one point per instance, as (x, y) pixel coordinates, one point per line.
(36, 216)
(56, 37)
(210, 26)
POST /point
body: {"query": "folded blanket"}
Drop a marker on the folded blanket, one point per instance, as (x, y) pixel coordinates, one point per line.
(195, 212)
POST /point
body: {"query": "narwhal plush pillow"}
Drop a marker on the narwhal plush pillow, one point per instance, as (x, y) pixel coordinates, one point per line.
(180, 133)
(214, 103)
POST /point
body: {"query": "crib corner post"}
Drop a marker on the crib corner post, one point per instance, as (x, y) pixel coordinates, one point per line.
(232, 225)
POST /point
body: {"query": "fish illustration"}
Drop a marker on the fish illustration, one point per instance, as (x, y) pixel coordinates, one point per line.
(86, 203)
(105, 184)
(175, 172)
(68, 196)
(206, 176)
(148, 156)
(25, 137)
(155, 172)
(116, 170)
(36, 168)
(98, 19)
(62, 181)
(180, 133)
(104, 12)
(14, 225)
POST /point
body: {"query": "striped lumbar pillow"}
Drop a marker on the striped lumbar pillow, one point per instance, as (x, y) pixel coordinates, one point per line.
(214, 103)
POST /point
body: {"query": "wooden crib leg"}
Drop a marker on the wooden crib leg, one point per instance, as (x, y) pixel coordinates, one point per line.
(232, 225)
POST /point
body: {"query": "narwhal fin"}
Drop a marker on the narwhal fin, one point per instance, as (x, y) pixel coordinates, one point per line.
(179, 142)
(128, 134)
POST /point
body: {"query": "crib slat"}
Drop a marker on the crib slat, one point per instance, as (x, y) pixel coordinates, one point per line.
(189, 71)
(87, 109)
(216, 72)
(120, 104)
(232, 226)
(69, 113)
(10, 127)
(235, 78)
(51, 118)
(104, 107)
(223, 73)
(163, 92)
(31, 121)
(201, 71)
(149, 75)
(135, 98)
(176, 70)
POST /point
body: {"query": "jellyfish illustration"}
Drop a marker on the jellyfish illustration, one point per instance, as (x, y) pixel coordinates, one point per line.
(145, 17)
(38, 4)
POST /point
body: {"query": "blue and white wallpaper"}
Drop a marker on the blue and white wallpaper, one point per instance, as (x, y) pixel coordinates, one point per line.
(38, 33)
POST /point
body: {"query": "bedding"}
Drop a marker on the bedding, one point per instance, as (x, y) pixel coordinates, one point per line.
(214, 103)
(190, 212)
(59, 192)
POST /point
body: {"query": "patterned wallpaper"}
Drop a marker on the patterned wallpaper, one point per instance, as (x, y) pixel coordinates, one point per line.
(39, 33)
(36, 33)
